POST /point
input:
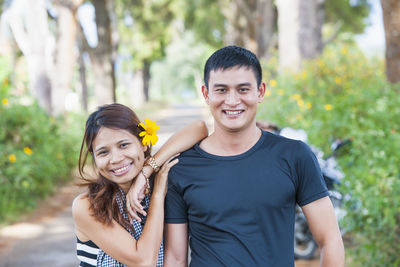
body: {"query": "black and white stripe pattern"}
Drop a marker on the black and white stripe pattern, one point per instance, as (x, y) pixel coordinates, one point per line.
(103, 259)
(91, 255)
(87, 253)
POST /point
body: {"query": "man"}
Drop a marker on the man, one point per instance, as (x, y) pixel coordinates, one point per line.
(235, 193)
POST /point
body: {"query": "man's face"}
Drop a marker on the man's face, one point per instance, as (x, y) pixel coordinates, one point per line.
(233, 97)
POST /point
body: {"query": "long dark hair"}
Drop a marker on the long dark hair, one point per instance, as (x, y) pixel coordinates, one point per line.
(102, 192)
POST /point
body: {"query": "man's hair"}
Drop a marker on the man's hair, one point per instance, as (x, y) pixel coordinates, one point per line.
(229, 57)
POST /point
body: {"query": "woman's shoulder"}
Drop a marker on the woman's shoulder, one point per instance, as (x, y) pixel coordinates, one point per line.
(80, 206)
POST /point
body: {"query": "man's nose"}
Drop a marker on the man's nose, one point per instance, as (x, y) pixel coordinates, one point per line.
(232, 98)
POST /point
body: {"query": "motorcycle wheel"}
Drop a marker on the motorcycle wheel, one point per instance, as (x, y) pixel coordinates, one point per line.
(304, 244)
(304, 250)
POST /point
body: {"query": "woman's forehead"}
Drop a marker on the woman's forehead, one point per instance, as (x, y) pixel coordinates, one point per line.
(111, 136)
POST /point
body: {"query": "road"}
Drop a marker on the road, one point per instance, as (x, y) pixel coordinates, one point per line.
(46, 238)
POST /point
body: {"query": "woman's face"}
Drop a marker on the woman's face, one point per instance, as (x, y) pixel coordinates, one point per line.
(118, 155)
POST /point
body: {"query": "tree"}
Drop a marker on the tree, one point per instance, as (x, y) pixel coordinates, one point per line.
(250, 24)
(64, 62)
(29, 24)
(391, 20)
(145, 32)
(103, 55)
(300, 26)
(50, 66)
(247, 23)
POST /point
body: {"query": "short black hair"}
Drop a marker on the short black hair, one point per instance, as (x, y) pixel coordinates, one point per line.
(229, 57)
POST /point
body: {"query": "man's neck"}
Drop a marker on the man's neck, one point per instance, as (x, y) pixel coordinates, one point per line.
(230, 143)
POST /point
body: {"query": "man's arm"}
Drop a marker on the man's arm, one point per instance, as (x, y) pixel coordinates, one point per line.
(176, 245)
(323, 225)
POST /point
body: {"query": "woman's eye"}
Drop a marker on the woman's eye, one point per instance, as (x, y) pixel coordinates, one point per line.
(102, 153)
(123, 145)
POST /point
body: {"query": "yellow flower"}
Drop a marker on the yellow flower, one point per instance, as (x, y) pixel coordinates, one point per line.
(4, 101)
(150, 132)
(12, 158)
(28, 150)
(328, 106)
(338, 80)
(344, 51)
(272, 83)
(281, 92)
(308, 105)
(304, 75)
(296, 97)
(299, 117)
(300, 102)
(267, 93)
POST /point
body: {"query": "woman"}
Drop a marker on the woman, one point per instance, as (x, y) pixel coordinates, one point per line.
(114, 138)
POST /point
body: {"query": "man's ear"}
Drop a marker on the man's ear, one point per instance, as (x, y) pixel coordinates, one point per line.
(261, 92)
(205, 94)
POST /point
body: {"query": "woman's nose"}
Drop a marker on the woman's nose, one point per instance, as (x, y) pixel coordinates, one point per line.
(115, 157)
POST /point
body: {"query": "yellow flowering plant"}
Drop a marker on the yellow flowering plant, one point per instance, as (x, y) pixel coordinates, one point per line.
(149, 134)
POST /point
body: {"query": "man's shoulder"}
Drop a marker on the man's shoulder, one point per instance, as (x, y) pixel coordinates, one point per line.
(283, 146)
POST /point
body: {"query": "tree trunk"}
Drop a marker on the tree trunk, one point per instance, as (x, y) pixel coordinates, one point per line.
(233, 34)
(28, 22)
(82, 78)
(391, 20)
(265, 25)
(146, 80)
(289, 26)
(65, 57)
(250, 24)
(136, 91)
(300, 31)
(311, 14)
(102, 56)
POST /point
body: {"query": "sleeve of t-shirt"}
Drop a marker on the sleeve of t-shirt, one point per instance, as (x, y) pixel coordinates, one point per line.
(175, 207)
(310, 182)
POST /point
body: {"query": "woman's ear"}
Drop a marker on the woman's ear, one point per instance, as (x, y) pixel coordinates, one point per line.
(145, 148)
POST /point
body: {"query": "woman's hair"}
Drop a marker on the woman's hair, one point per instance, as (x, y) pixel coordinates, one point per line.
(101, 191)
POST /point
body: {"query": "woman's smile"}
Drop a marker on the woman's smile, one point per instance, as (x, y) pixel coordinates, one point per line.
(122, 170)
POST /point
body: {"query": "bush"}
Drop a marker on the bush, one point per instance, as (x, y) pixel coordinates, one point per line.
(37, 152)
(341, 95)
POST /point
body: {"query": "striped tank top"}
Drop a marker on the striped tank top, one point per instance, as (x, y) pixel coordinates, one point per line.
(87, 253)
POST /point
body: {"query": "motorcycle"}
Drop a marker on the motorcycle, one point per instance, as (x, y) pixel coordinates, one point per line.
(304, 243)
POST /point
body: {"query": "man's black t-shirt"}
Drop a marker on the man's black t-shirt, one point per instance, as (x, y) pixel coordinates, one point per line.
(240, 209)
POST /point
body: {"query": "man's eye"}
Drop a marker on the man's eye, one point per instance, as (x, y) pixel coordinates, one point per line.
(220, 90)
(244, 89)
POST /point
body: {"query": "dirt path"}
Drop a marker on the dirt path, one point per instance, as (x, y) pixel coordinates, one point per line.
(46, 238)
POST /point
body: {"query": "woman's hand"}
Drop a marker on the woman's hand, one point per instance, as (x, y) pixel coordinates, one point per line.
(135, 196)
(161, 180)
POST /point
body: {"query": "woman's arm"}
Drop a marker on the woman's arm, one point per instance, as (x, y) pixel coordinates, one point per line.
(179, 142)
(115, 240)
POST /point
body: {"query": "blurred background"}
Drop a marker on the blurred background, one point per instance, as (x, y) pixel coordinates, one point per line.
(332, 68)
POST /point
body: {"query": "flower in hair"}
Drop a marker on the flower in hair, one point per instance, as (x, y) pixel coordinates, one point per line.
(150, 132)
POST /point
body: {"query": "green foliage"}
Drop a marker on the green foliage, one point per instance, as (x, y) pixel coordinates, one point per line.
(205, 19)
(37, 152)
(350, 14)
(178, 77)
(344, 95)
(145, 29)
